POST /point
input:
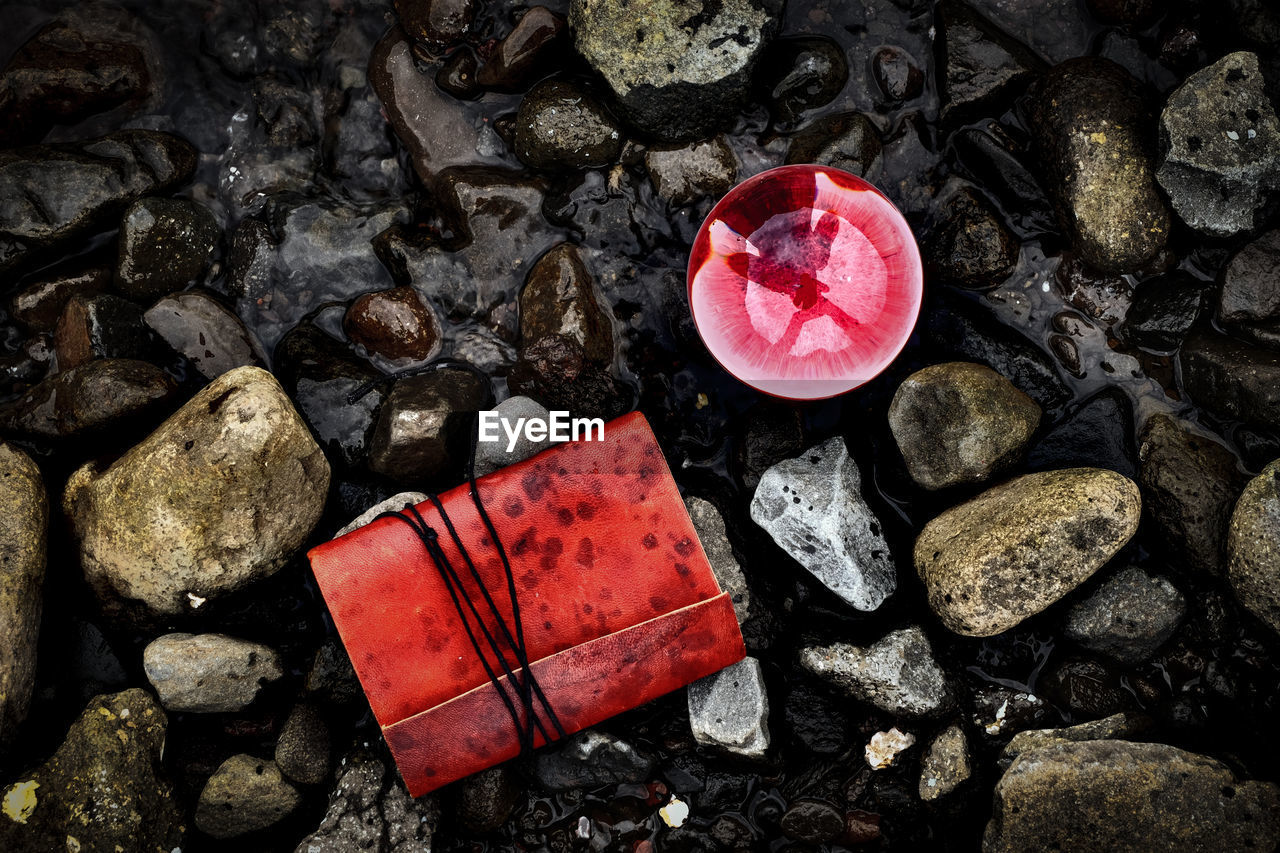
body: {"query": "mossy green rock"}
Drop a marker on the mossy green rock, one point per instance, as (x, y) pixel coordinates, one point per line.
(1017, 548)
(223, 493)
(1119, 796)
(24, 515)
(103, 790)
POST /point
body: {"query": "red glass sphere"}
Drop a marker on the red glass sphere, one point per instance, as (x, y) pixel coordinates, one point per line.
(805, 282)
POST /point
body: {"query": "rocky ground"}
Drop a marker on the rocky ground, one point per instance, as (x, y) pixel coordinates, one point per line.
(1030, 597)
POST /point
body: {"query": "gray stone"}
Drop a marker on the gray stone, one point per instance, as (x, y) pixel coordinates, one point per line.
(302, 749)
(730, 710)
(677, 67)
(846, 141)
(897, 674)
(105, 787)
(1190, 482)
(245, 794)
(1019, 547)
(1129, 617)
(560, 125)
(709, 525)
(55, 194)
(960, 423)
(1253, 546)
(423, 428)
(194, 511)
(492, 455)
(370, 810)
(1118, 726)
(1222, 141)
(982, 68)
(970, 246)
(813, 508)
(1232, 379)
(685, 175)
(211, 337)
(1121, 796)
(395, 503)
(1249, 302)
(210, 673)
(164, 245)
(589, 760)
(946, 764)
(24, 518)
(1089, 125)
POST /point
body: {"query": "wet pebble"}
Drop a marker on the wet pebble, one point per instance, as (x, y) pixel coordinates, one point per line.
(423, 427)
(846, 141)
(960, 423)
(554, 371)
(1253, 547)
(684, 175)
(1231, 378)
(1014, 550)
(209, 673)
(1248, 302)
(1164, 310)
(102, 326)
(945, 766)
(25, 508)
(245, 794)
(515, 61)
(897, 74)
(812, 821)
(1097, 434)
(104, 394)
(1128, 618)
(302, 749)
(709, 525)
(813, 508)
(898, 674)
(164, 245)
(197, 325)
(560, 298)
(395, 324)
(486, 799)
(982, 68)
(801, 73)
(437, 24)
(730, 710)
(561, 125)
(39, 305)
(1222, 160)
(971, 246)
(1102, 297)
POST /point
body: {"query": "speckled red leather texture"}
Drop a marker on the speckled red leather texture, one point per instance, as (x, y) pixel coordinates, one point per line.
(618, 601)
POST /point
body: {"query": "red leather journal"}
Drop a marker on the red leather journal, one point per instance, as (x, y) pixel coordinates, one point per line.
(618, 602)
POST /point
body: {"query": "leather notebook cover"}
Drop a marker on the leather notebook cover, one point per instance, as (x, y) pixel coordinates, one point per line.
(618, 601)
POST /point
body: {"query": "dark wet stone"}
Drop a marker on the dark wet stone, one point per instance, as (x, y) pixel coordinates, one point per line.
(846, 141)
(1232, 379)
(1117, 726)
(1065, 350)
(209, 335)
(516, 60)
(332, 680)
(486, 799)
(1130, 797)
(560, 298)
(102, 326)
(561, 125)
(111, 755)
(813, 821)
(1053, 29)
(589, 760)
(818, 722)
(302, 749)
(437, 130)
(678, 69)
(368, 805)
(39, 305)
(971, 246)
(296, 33)
(897, 74)
(164, 245)
(457, 75)
(1221, 139)
(1093, 135)
(27, 365)
(52, 195)
(497, 234)
(286, 113)
(484, 350)
(423, 427)
(960, 423)
(554, 371)
(981, 69)
(437, 24)
(209, 673)
(1190, 483)
(1103, 297)
(1087, 688)
(770, 432)
(1127, 13)
(1164, 310)
(320, 374)
(325, 244)
(801, 73)
(692, 172)
(998, 163)
(83, 62)
(1249, 302)
(395, 324)
(965, 332)
(1098, 434)
(1128, 618)
(103, 393)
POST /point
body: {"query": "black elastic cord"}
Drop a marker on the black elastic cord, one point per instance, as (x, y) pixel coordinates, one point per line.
(520, 677)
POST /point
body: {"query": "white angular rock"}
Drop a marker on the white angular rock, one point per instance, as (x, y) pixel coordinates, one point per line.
(209, 672)
(897, 674)
(885, 747)
(813, 508)
(730, 710)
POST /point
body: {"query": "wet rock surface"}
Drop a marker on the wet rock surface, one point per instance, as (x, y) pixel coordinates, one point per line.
(1253, 546)
(1247, 302)
(208, 672)
(97, 397)
(164, 245)
(395, 324)
(1132, 796)
(561, 125)
(244, 795)
(424, 425)
(1129, 617)
(207, 333)
(1015, 549)
(302, 750)
(1231, 378)
(684, 175)
(730, 710)
(591, 759)
(898, 674)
